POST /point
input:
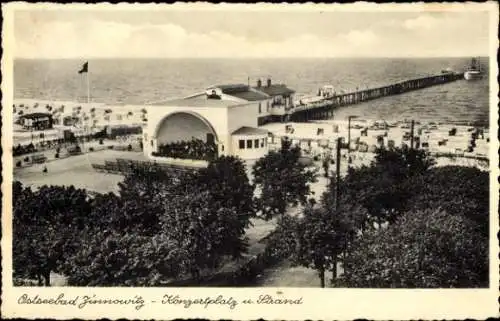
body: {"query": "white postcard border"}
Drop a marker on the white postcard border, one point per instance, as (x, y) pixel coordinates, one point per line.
(316, 303)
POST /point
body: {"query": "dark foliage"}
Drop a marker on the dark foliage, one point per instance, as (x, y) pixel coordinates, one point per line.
(283, 180)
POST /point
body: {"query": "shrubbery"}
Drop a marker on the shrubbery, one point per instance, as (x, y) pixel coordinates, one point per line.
(193, 149)
(160, 226)
(399, 223)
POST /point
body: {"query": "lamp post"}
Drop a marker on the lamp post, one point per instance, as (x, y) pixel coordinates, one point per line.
(337, 173)
(349, 131)
(349, 140)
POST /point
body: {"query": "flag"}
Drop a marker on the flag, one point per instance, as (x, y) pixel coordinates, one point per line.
(85, 68)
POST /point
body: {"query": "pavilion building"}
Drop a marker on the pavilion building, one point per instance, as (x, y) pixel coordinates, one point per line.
(227, 116)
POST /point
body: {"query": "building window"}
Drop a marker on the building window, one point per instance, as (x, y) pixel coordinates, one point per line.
(249, 143)
(221, 148)
(260, 108)
(242, 144)
(267, 107)
(262, 142)
(256, 143)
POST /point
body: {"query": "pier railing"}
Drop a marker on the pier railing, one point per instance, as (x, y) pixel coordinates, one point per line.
(324, 108)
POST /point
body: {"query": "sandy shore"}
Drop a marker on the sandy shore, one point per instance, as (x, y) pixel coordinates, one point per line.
(318, 138)
(93, 115)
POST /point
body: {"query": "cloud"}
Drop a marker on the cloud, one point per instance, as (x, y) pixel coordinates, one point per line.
(111, 39)
(421, 22)
(396, 36)
(360, 38)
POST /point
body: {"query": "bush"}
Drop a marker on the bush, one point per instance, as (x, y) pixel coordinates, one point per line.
(91, 149)
(57, 155)
(110, 147)
(26, 159)
(101, 142)
(316, 158)
(129, 147)
(19, 164)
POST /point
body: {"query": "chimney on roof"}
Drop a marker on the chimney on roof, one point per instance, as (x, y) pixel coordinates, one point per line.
(268, 82)
(259, 83)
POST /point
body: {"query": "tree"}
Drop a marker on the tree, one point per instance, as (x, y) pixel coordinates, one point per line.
(50, 216)
(380, 187)
(423, 249)
(227, 181)
(282, 180)
(348, 220)
(128, 244)
(204, 232)
(457, 190)
(403, 162)
(141, 201)
(313, 240)
(164, 225)
(388, 192)
(113, 259)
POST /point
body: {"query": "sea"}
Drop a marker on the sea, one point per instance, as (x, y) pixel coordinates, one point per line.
(118, 82)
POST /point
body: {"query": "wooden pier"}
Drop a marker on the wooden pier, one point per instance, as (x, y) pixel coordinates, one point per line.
(324, 109)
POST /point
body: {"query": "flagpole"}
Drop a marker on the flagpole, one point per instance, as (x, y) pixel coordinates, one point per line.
(88, 100)
(88, 87)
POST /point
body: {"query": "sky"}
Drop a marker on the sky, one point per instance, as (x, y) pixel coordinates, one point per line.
(241, 33)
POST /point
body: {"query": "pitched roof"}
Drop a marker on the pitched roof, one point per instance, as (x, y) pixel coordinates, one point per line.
(275, 89)
(35, 115)
(198, 101)
(242, 91)
(232, 88)
(249, 131)
(250, 95)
